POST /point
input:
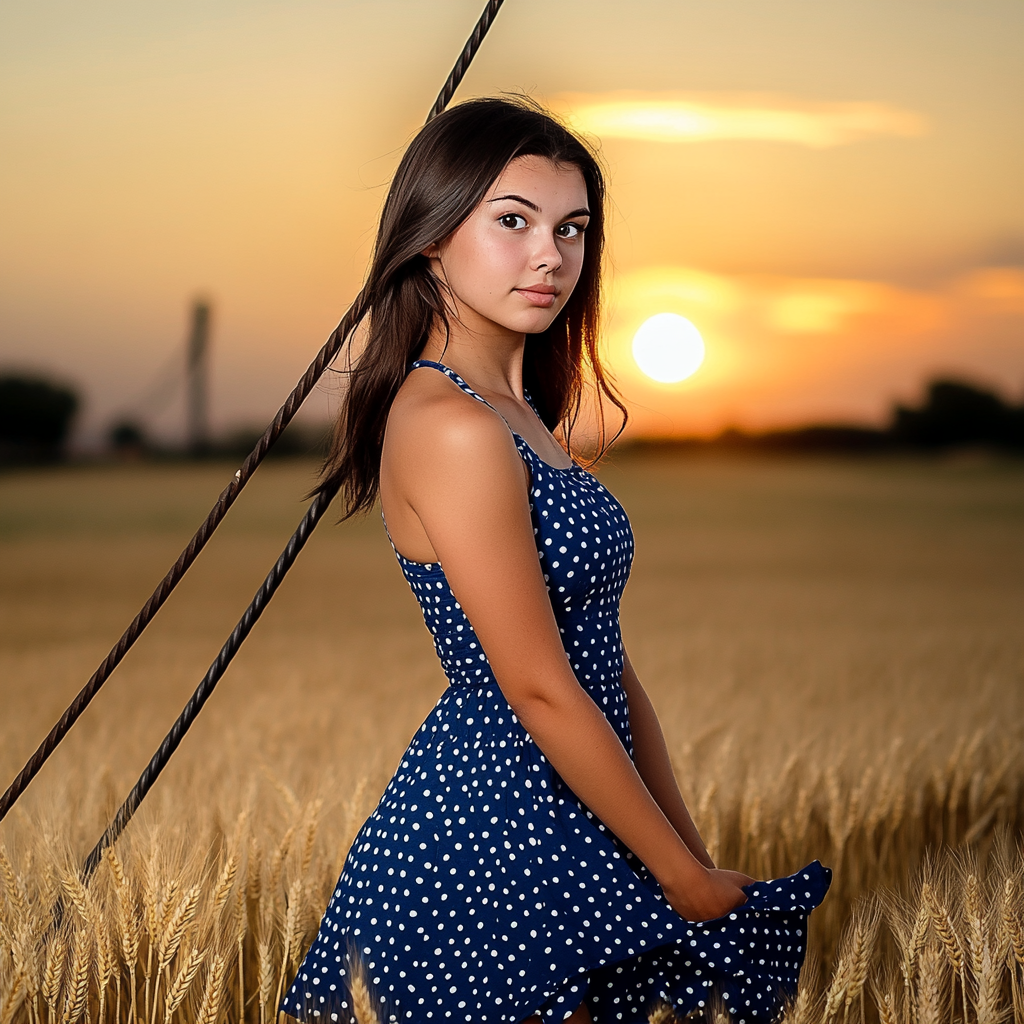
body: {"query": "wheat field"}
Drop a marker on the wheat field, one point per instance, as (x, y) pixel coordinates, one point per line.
(834, 648)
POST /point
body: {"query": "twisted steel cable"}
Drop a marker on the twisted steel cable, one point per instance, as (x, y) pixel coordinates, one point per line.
(186, 558)
(318, 507)
(170, 743)
(284, 416)
(465, 58)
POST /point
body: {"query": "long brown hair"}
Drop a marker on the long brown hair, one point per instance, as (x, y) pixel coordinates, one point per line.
(444, 174)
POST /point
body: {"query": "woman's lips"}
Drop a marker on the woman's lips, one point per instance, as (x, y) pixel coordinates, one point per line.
(543, 296)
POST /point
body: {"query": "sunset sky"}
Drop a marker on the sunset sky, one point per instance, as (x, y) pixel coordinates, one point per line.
(832, 193)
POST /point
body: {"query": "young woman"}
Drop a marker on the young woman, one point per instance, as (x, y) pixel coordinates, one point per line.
(532, 858)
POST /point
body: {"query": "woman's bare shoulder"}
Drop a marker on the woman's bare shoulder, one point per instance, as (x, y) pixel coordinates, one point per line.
(432, 419)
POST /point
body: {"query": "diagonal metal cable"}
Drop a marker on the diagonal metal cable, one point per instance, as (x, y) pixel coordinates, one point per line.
(186, 558)
(318, 507)
(171, 741)
(284, 416)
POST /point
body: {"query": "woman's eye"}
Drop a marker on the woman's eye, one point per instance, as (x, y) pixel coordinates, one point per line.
(570, 230)
(512, 220)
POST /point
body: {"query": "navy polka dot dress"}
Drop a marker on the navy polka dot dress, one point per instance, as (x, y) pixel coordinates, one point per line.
(481, 889)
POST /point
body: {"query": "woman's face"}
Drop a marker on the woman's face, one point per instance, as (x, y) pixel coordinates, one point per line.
(514, 262)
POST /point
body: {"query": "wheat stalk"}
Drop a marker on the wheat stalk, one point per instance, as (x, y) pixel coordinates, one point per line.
(909, 936)
(947, 936)
(289, 933)
(996, 953)
(12, 884)
(806, 1007)
(175, 929)
(183, 982)
(78, 977)
(253, 874)
(241, 928)
(25, 956)
(1013, 936)
(885, 1003)
(166, 906)
(662, 1014)
(129, 928)
(929, 987)
(225, 882)
(293, 920)
(990, 987)
(949, 940)
(362, 1001)
(104, 961)
(266, 977)
(277, 862)
(209, 1009)
(12, 995)
(116, 868)
(860, 959)
(53, 974)
(311, 829)
(975, 916)
(836, 995)
(177, 924)
(76, 891)
(152, 906)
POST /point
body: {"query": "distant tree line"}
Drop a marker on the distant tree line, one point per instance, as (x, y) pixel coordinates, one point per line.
(954, 414)
(128, 439)
(36, 417)
(958, 414)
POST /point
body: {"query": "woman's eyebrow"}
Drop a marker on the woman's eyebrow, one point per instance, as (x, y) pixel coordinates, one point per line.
(581, 212)
(518, 199)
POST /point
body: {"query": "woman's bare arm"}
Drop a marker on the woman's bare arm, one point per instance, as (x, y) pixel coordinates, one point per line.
(456, 465)
(650, 755)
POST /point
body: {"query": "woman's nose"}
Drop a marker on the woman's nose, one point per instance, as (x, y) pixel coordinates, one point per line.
(546, 256)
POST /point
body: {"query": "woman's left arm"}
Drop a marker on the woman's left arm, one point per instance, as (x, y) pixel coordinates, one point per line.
(650, 755)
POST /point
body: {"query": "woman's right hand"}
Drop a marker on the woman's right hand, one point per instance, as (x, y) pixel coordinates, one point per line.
(711, 897)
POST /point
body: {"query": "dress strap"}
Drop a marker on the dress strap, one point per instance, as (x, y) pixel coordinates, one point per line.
(521, 443)
(451, 374)
(530, 402)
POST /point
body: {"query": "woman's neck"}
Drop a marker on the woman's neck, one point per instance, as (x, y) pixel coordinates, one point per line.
(490, 361)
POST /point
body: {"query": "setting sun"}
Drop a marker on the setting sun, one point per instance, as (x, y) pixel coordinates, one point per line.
(668, 348)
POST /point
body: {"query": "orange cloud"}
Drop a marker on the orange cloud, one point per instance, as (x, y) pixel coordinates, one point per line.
(994, 289)
(829, 306)
(682, 117)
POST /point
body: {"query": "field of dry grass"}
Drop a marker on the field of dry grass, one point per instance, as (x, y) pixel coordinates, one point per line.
(835, 650)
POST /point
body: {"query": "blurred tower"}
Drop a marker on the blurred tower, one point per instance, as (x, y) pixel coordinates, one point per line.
(197, 427)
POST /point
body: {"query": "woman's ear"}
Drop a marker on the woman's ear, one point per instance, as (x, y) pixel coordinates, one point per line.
(432, 251)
